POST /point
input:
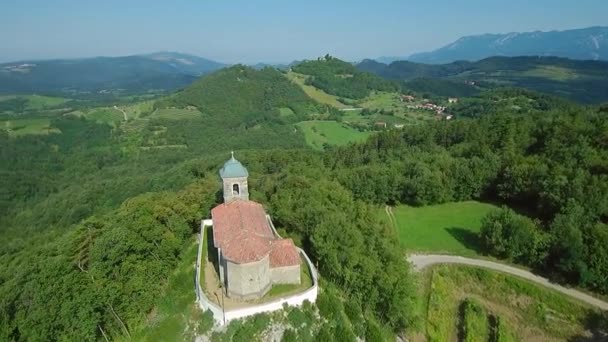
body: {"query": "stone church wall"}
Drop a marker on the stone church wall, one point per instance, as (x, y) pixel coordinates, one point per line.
(248, 281)
(285, 275)
(243, 189)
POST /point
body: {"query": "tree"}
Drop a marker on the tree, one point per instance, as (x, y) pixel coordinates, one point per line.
(514, 237)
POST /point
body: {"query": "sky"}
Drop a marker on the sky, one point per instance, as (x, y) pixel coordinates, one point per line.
(238, 31)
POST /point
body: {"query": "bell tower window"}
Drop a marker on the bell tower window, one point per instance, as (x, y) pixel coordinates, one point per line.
(235, 189)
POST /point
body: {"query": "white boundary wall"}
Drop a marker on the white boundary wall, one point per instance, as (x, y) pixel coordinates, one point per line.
(224, 317)
(204, 302)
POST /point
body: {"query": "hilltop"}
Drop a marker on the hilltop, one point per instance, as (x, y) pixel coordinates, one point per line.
(341, 78)
(582, 81)
(586, 43)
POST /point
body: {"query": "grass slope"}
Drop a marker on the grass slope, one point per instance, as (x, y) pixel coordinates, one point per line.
(22, 127)
(318, 133)
(455, 300)
(443, 228)
(314, 93)
(176, 114)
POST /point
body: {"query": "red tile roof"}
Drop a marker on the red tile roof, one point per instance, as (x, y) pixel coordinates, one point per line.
(241, 230)
(283, 253)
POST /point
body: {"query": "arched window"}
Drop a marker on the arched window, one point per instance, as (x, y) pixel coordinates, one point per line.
(235, 189)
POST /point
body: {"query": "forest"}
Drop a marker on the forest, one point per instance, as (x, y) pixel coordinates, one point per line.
(105, 212)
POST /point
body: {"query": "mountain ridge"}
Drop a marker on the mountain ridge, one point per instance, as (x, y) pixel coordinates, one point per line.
(583, 81)
(159, 71)
(584, 43)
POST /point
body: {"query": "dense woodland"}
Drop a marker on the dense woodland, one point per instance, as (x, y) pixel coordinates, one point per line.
(95, 218)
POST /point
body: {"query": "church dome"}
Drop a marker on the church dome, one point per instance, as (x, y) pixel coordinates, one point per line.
(233, 169)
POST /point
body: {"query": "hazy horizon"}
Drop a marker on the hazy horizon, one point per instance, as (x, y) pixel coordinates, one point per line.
(270, 31)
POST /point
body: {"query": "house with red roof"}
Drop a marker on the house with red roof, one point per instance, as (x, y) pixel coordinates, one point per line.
(251, 256)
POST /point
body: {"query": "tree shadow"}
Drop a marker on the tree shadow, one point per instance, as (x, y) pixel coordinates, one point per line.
(466, 237)
(596, 323)
(461, 322)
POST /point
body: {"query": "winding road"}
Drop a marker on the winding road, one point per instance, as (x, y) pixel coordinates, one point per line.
(124, 114)
(421, 261)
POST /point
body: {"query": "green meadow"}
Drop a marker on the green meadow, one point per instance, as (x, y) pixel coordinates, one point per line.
(314, 93)
(176, 114)
(20, 127)
(442, 228)
(318, 133)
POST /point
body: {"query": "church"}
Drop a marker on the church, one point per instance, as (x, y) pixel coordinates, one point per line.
(251, 256)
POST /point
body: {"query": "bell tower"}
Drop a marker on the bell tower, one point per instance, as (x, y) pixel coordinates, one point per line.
(234, 178)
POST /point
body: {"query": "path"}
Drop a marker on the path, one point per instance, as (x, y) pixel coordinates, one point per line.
(350, 109)
(124, 114)
(421, 261)
(391, 217)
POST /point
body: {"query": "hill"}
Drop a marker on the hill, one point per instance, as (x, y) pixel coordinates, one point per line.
(165, 71)
(586, 43)
(242, 95)
(582, 81)
(340, 78)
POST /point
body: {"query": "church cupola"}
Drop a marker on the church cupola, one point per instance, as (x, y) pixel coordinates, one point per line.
(234, 177)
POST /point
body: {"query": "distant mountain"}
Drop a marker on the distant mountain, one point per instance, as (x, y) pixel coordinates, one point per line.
(587, 43)
(280, 66)
(187, 64)
(582, 81)
(163, 71)
(390, 59)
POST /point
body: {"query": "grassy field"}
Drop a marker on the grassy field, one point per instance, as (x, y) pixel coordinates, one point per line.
(318, 133)
(553, 72)
(314, 93)
(21, 127)
(285, 111)
(105, 115)
(443, 228)
(470, 304)
(19, 104)
(42, 102)
(139, 109)
(176, 114)
(390, 102)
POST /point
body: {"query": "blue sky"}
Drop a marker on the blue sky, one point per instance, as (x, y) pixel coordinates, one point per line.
(271, 31)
